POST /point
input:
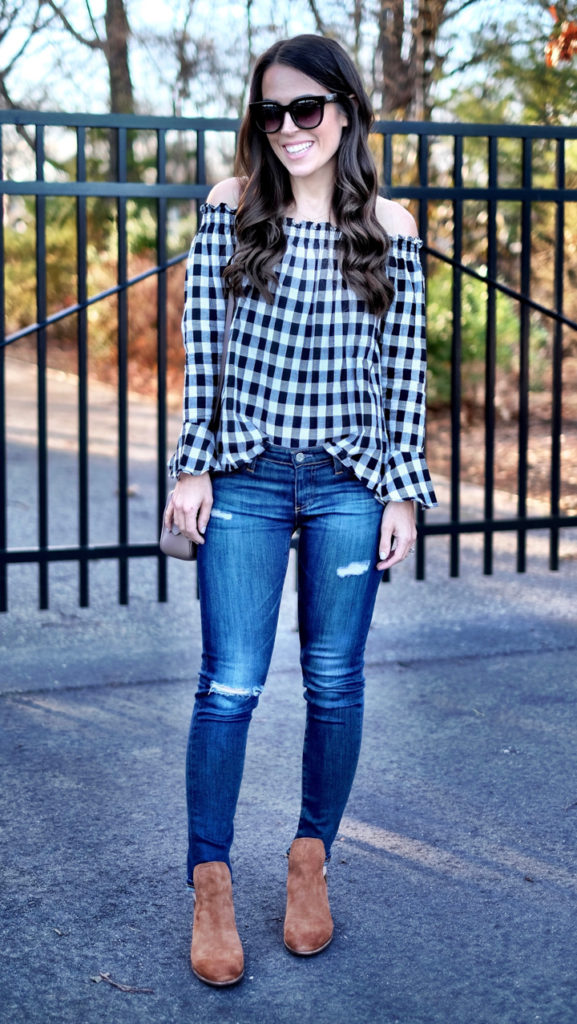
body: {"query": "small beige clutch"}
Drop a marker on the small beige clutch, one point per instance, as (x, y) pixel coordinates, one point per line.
(174, 543)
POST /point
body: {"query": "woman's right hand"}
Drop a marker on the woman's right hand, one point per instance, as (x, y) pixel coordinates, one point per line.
(190, 506)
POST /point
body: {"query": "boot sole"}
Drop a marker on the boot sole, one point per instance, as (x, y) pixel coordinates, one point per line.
(308, 952)
(218, 984)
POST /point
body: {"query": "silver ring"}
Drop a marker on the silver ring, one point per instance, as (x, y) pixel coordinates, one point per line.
(411, 551)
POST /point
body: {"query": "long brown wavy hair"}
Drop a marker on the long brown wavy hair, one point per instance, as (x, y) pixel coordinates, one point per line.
(261, 242)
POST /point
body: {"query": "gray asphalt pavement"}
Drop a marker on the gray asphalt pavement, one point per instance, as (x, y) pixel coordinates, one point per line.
(453, 881)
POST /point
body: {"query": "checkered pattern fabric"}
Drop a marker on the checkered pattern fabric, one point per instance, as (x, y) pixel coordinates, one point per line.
(312, 368)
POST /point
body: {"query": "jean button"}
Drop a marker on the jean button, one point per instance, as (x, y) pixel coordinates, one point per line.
(300, 457)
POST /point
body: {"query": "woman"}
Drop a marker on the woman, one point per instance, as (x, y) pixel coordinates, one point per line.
(321, 430)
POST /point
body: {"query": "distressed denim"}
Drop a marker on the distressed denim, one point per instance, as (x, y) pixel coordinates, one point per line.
(241, 571)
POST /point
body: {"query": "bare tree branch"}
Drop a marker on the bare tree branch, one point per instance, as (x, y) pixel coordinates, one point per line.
(6, 95)
(10, 19)
(16, 56)
(94, 44)
(450, 14)
(21, 129)
(92, 19)
(36, 24)
(321, 27)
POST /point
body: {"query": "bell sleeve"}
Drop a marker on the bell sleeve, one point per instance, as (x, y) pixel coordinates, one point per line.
(404, 370)
(202, 333)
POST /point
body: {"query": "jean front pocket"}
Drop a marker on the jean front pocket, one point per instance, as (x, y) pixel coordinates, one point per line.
(343, 472)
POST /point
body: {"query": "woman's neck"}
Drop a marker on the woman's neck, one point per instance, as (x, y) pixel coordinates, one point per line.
(310, 203)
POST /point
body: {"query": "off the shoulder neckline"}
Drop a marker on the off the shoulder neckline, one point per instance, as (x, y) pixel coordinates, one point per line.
(223, 207)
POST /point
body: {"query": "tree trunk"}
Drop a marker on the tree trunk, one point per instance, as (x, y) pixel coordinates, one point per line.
(116, 52)
(406, 52)
(429, 22)
(397, 62)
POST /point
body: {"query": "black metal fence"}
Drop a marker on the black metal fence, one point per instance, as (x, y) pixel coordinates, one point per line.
(465, 181)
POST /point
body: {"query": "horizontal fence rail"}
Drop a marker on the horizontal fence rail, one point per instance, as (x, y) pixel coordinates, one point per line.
(119, 175)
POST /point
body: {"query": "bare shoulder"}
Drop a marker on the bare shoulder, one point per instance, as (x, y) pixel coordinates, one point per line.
(395, 219)
(227, 191)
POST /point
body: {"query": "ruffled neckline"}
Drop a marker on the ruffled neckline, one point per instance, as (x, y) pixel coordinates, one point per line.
(311, 226)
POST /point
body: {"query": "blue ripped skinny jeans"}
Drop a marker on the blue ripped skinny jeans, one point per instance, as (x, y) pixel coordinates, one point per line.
(241, 571)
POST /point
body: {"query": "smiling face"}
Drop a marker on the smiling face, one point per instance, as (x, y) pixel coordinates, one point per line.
(311, 152)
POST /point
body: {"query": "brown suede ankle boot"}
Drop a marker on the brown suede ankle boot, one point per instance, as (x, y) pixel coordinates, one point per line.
(308, 926)
(216, 954)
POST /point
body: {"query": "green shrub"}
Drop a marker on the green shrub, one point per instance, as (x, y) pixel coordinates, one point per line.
(473, 319)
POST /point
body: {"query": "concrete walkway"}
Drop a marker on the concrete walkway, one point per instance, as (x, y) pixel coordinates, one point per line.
(453, 881)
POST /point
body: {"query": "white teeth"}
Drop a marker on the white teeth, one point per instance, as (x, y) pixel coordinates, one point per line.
(299, 148)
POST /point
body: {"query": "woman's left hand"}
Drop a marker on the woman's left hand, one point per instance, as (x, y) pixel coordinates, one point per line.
(398, 533)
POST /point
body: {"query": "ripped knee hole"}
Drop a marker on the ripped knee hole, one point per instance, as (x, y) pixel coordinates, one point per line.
(353, 569)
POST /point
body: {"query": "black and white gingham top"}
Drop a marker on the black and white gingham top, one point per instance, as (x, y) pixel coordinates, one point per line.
(314, 368)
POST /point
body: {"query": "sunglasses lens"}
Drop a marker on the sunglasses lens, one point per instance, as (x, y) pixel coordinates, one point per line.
(269, 117)
(307, 113)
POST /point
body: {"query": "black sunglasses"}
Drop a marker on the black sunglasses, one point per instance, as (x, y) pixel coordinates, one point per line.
(306, 112)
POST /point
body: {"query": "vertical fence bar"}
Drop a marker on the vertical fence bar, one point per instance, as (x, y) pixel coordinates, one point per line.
(387, 160)
(82, 328)
(161, 342)
(387, 181)
(200, 180)
(490, 358)
(456, 352)
(42, 410)
(121, 146)
(423, 225)
(557, 382)
(525, 333)
(200, 166)
(3, 476)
